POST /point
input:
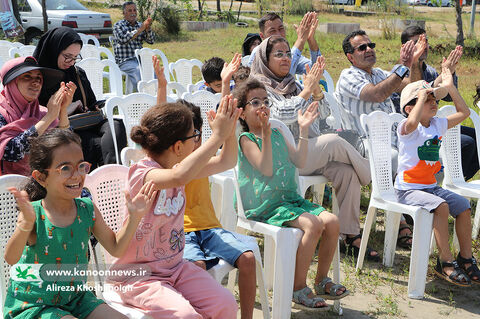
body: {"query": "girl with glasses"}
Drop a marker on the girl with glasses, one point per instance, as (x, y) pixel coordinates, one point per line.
(266, 166)
(53, 232)
(59, 49)
(176, 288)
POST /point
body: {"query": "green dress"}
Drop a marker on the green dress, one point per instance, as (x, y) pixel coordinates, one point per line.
(273, 200)
(56, 248)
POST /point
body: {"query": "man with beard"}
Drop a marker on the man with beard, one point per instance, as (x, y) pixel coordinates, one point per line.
(128, 36)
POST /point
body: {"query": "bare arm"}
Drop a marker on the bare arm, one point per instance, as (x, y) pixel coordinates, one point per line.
(227, 73)
(161, 80)
(261, 160)
(117, 244)
(414, 117)
(462, 109)
(25, 230)
(190, 167)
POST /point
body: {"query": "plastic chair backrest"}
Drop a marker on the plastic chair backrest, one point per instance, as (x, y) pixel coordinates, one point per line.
(148, 87)
(132, 107)
(92, 51)
(8, 207)
(179, 89)
(130, 155)
(23, 51)
(86, 38)
(5, 47)
(377, 126)
(93, 67)
(335, 111)
(451, 149)
(144, 57)
(206, 101)
(195, 87)
(330, 85)
(182, 69)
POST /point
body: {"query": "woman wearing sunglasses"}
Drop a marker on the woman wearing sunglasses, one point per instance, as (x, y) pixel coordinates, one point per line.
(329, 154)
(21, 115)
(59, 49)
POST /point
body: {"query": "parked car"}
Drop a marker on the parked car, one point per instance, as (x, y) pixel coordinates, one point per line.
(413, 2)
(439, 3)
(346, 2)
(67, 13)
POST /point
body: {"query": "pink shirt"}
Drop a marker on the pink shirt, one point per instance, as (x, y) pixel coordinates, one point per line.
(159, 240)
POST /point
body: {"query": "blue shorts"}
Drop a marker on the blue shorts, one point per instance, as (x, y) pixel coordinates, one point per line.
(431, 198)
(213, 244)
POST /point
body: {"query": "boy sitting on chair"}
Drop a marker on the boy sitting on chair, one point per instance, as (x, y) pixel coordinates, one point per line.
(419, 138)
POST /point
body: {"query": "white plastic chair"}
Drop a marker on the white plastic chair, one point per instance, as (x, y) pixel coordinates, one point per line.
(94, 69)
(330, 85)
(106, 184)
(195, 87)
(206, 101)
(131, 107)
(92, 51)
(377, 126)
(451, 152)
(8, 207)
(5, 47)
(182, 70)
(88, 37)
(174, 90)
(23, 51)
(144, 57)
(335, 118)
(281, 244)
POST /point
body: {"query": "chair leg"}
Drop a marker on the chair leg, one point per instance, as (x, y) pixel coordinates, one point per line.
(269, 260)
(391, 234)
(284, 275)
(371, 213)
(422, 234)
(336, 278)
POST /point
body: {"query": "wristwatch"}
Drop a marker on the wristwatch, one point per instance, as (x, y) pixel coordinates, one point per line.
(402, 71)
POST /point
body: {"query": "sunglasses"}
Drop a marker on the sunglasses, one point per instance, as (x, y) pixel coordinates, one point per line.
(67, 170)
(257, 103)
(281, 54)
(363, 47)
(196, 136)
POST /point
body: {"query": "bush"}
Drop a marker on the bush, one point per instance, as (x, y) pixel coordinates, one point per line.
(169, 18)
(300, 7)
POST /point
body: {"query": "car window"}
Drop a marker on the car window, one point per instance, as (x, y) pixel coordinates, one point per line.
(23, 6)
(64, 5)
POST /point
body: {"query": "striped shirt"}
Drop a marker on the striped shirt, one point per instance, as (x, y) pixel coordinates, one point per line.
(348, 89)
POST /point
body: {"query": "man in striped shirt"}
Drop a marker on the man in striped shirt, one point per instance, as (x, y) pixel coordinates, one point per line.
(362, 89)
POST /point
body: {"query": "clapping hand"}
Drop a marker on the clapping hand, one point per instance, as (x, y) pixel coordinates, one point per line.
(447, 77)
(303, 30)
(26, 217)
(306, 118)
(453, 58)
(159, 71)
(406, 53)
(420, 47)
(314, 74)
(264, 122)
(313, 26)
(224, 120)
(68, 92)
(142, 202)
(230, 68)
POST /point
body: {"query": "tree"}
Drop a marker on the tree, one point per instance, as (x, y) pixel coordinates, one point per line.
(458, 13)
(218, 6)
(44, 14)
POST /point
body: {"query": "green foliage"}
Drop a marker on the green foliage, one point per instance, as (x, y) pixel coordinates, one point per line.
(300, 6)
(227, 16)
(169, 18)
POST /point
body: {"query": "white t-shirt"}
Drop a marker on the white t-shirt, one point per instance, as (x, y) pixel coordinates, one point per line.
(418, 155)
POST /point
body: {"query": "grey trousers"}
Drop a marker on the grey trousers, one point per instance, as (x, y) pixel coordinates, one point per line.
(333, 157)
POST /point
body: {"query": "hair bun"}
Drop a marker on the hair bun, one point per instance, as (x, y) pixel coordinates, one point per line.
(139, 134)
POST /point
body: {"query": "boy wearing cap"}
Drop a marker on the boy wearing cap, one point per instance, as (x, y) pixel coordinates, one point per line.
(419, 139)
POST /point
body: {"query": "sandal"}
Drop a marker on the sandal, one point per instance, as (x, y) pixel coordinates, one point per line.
(404, 240)
(457, 277)
(302, 300)
(320, 290)
(471, 271)
(350, 250)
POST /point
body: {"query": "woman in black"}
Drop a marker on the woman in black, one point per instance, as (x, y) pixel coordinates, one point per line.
(59, 49)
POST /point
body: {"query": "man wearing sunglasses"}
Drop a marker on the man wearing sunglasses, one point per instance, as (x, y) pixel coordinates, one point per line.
(362, 88)
(271, 24)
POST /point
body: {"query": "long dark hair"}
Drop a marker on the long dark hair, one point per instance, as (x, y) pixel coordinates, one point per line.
(41, 157)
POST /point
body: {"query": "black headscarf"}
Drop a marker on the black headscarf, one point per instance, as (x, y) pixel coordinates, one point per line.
(48, 49)
(248, 41)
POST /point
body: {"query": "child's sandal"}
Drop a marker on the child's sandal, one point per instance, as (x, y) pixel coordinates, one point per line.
(301, 298)
(471, 271)
(457, 277)
(332, 294)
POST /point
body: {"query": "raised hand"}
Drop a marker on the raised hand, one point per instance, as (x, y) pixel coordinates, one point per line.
(453, 58)
(313, 26)
(420, 47)
(447, 77)
(68, 92)
(55, 102)
(406, 53)
(142, 202)
(264, 122)
(147, 24)
(159, 71)
(423, 94)
(303, 29)
(306, 118)
(224, 120)
(26, 217)
(230, 68)
(314, 74)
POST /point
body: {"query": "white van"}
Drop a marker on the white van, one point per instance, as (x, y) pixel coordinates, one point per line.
(68, 13)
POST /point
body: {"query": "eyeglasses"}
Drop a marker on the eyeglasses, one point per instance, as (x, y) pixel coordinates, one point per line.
(363, 47)
(281, 54)
(70, 59)
(196, 136)
(67, 170)
(257, 102)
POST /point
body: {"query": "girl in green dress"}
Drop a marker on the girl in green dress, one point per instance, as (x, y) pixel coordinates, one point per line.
(53, 232)
(266, 165)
